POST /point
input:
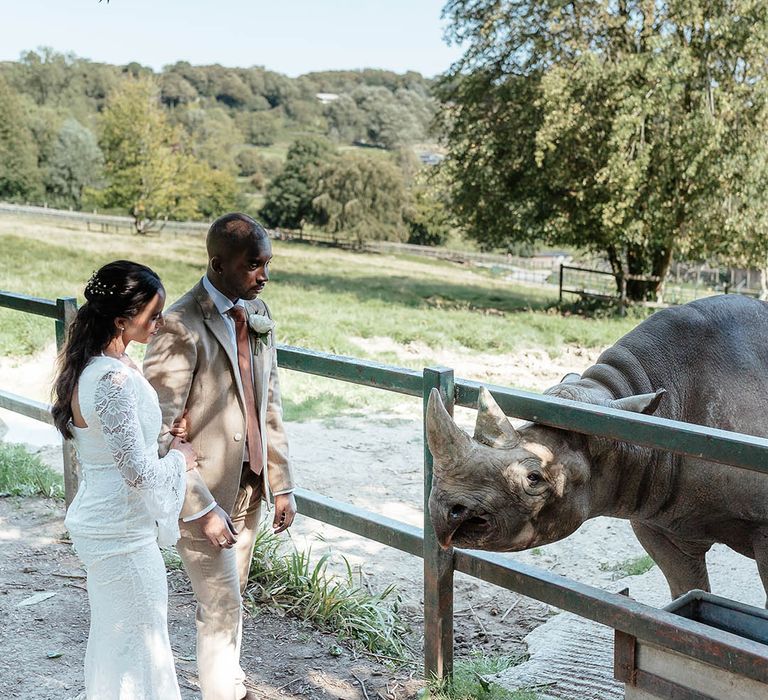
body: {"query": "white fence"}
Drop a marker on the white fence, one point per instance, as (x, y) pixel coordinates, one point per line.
(103, 223)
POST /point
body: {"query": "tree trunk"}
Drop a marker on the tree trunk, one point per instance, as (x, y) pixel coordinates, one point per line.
(638, 286)
(661, 263)
(644, 275)
(764, 281)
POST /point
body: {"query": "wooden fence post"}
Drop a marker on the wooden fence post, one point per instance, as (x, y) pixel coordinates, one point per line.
(67, 308)
(438, 563)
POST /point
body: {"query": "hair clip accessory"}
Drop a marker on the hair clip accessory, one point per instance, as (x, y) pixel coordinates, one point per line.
(95, 287)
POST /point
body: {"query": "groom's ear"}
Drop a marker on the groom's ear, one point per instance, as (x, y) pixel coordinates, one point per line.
(215, 263)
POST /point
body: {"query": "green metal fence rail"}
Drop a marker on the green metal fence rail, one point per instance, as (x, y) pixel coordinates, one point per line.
(705, 643)
(642, 621)
(62, 311)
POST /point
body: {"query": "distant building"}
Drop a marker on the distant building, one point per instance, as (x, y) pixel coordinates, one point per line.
(326, 97)
(431, 158)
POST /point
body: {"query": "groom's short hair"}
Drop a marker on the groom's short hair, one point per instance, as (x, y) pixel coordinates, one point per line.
(230, 231)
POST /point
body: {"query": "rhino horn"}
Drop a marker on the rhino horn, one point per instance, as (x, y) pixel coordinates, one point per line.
(640, 403)
(493, 427)
(447, 442)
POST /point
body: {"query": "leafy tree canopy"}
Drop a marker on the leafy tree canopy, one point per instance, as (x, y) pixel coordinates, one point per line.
(289, 197)
(148, 169)
(634, 128)
(362, 197)
(19, 175)
(76, 162)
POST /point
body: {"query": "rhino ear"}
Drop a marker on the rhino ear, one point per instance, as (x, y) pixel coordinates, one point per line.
(447, 442)
(493, 427)
(570, 378)
(640, 403)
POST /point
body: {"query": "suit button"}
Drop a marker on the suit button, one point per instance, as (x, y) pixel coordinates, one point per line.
(238, 437)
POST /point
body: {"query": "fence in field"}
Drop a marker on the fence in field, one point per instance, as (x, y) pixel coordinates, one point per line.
(684, 283)
(103, 223)
(537, 269)
(722, 649)
(541, 269)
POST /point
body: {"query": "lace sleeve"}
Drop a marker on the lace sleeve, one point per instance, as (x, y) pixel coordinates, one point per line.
(116, 405)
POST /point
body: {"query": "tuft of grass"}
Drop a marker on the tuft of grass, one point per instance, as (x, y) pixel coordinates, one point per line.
(293, 584)
(469, 680)
(25, 474)
(172, 559)
(630, 567)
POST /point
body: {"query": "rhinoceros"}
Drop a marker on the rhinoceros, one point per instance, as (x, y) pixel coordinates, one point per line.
(508, 489)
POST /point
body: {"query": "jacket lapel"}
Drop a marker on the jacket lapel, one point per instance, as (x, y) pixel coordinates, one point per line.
(218, 328)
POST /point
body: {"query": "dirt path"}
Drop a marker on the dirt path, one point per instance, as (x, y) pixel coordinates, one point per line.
(375, 463)
(42, 644)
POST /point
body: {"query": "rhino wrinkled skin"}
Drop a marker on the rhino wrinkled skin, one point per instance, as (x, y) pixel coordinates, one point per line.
(705, 362)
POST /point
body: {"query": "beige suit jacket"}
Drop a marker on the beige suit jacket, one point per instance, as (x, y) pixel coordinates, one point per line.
(192, 365)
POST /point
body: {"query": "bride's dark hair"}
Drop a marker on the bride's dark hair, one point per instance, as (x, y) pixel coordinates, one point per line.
(119, 289)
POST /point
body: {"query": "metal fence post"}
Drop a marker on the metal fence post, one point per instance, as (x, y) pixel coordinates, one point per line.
(438, 563)
(67, 308)
(560, 299)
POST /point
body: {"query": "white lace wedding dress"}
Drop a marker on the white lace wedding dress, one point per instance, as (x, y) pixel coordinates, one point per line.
(128, 501)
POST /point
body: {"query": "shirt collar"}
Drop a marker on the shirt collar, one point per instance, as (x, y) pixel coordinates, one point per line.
(222, 304)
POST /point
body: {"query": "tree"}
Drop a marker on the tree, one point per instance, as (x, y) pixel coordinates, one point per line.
(427, 214)
(230, 89)
(259, 128)
(213, 136)
(148, 169)
(251, 161)
(632, 128)
(386, 119)
(345, 120)
(46, 74)
(19, 176)
(290, 194)
(75, 163)
(176, 90)
(361, 196)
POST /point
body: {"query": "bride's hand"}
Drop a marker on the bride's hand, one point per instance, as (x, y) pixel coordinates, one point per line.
(186, 449)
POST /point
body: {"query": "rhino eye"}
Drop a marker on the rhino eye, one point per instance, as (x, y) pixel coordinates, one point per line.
(534, 478)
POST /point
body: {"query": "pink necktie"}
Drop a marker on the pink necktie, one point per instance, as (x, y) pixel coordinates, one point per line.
(253, 435)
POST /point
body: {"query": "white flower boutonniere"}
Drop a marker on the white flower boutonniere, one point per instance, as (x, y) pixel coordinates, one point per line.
(261, 327)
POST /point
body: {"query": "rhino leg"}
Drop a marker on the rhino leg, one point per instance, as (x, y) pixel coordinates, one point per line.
(683, 563)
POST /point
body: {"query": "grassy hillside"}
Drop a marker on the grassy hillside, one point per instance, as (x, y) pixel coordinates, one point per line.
(322, 298)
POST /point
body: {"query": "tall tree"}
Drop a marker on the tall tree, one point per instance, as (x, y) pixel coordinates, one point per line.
(633, 128)
(19, 176)
(290, 194)
(76, 162)
(361, 196)
(146, 165)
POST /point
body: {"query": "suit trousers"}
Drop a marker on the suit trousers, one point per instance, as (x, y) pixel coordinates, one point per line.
(218, 578)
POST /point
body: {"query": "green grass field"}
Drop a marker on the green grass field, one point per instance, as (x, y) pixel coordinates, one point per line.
(323, 299)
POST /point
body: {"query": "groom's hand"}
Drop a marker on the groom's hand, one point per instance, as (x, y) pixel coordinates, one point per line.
(218, 529)
(179, 427)
(285, 512)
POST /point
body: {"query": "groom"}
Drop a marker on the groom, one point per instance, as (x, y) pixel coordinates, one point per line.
(214, 367)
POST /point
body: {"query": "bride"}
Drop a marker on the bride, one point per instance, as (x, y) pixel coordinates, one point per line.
(129, 500)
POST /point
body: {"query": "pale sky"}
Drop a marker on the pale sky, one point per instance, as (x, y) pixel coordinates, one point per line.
(288, 36)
